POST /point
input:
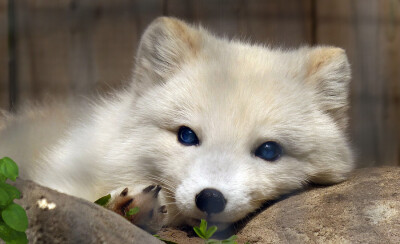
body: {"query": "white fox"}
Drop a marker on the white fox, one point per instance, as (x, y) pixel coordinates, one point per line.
(221, 126)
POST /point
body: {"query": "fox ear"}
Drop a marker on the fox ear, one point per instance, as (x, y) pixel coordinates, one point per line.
(165, 45)
(328, 70)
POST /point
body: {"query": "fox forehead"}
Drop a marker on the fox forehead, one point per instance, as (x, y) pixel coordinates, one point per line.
(229, 87)
(225, 104)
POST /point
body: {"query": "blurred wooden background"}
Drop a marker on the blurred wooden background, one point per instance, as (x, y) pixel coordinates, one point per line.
(59, 47)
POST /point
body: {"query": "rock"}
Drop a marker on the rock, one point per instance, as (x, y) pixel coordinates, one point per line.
(363, 209)
(58, 218)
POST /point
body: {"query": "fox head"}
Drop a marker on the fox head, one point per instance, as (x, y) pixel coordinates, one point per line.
(225, 125)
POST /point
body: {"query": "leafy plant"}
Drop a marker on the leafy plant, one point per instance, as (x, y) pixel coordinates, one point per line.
(202, 231)
(102, 201)
(206, 233)
(132, 211)
(13, 220)
(162, 239)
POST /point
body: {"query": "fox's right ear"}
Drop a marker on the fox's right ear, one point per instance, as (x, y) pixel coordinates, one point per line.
(165, 45)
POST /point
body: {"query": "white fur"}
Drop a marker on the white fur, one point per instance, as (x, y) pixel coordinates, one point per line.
(234, 95)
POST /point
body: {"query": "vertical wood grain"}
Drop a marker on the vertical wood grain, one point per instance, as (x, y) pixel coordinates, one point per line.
(369, 31)
(3, 56)
(278, 23)
(78, 47)
(69, 47)
(390, 73)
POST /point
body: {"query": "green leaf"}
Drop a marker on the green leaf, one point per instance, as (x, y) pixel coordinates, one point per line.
(4, 198)
(210, 231)
(162, 239)
(9, 168)
(13, 192)
(199, 232)
(132, 211)
(15, 217)
(21, 239)
(2, 178)
(10, 235)
(213, 241)
(203, 226)
(102, 201)
(230, 240)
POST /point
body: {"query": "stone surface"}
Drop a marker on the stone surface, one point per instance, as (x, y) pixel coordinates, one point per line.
(58, 218)
(363, 209)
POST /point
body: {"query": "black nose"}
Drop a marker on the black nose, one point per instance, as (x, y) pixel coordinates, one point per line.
(210, 201)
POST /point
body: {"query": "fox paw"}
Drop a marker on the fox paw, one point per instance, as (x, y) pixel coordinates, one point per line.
(142, 209)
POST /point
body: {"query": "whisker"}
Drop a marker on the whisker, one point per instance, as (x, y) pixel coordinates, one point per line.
(167, 184)
(166, 193)
(170, 197)
(260, 200)
(175, 216)
(161, 180)
(169, 203)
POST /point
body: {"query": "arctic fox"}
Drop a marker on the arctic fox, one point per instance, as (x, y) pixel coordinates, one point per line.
(211, 128)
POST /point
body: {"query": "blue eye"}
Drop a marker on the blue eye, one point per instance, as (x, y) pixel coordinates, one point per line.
(269, 151)
(187, 137)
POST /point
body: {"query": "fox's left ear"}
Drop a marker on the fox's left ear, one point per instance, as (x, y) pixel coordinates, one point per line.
(166, 44)
(328, 71)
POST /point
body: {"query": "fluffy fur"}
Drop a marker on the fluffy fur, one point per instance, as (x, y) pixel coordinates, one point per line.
(234, 95)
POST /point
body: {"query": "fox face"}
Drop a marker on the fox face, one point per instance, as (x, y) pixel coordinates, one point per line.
(224, 126)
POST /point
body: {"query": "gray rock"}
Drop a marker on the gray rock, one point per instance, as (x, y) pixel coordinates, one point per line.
(363, 209)
(58, 218)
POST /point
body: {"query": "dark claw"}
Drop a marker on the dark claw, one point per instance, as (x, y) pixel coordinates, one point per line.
(151, 188)
(163, 209)
(148, 189)
(124, 192)
(156, 191)
(126, 204)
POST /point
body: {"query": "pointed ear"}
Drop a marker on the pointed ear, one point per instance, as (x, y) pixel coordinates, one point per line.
(328, 70)
(165, 45)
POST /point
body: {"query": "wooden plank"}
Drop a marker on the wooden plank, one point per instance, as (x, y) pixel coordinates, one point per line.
(78, 47)
(370, 32)
(3, 56)
(390, 73)
(117, 38)
(279, 23)
(75, 47)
